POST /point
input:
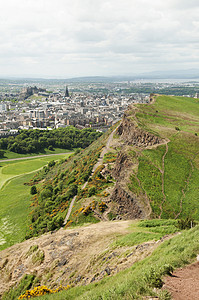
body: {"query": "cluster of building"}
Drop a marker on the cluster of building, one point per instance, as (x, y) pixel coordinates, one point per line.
(38, 108)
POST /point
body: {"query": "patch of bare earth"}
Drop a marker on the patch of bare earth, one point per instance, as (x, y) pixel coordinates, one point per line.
(184, 283)
(75, 256)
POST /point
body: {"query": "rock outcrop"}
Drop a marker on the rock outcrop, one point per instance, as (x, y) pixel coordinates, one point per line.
(127, 205)
(133, 135)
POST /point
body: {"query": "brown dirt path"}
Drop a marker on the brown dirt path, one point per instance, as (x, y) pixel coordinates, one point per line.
(184, 284)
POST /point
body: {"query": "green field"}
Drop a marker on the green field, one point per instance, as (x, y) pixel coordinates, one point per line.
(15, 196)
(10, 155)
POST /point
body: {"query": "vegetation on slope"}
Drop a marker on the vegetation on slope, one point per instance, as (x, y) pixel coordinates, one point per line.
(64, 180)
(166, 173)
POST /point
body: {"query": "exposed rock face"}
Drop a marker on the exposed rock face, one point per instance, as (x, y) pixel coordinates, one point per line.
(127, 204)
(127, 207)
(121, 165)
(133, 135)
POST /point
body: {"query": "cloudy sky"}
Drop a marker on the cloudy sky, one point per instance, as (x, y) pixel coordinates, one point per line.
(62, 38)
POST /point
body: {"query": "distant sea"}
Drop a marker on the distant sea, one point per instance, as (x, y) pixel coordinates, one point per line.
(169, 80)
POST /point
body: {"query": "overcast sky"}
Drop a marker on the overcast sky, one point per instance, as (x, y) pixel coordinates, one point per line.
(62, 38)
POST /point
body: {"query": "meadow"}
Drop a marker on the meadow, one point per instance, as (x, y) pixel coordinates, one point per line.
(15, 196)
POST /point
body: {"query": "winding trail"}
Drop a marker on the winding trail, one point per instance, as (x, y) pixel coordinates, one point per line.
(4, 182)
(99, 162)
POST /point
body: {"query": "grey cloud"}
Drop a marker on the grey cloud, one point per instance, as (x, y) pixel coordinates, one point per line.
(97, 36)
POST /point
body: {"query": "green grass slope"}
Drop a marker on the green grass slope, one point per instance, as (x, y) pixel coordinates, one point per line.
(169, 173)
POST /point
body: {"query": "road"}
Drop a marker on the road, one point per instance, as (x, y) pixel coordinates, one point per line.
(31, 157)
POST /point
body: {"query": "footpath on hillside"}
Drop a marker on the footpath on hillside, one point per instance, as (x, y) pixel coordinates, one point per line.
(183, 284)
(99, 162)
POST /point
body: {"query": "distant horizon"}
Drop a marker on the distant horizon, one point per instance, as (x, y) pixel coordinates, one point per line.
(172, 74)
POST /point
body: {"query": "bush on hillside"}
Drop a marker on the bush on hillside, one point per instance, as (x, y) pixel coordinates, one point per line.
(33, 190)
(186, 223)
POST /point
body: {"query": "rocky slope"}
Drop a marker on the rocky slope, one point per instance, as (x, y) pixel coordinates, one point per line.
(73, 256)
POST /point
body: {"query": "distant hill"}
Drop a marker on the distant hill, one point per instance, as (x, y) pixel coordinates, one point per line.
(169, 74)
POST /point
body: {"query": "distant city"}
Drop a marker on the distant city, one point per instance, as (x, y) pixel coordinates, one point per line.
(48, 104)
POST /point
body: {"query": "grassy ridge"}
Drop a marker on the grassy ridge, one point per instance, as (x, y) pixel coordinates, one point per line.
(169, 174)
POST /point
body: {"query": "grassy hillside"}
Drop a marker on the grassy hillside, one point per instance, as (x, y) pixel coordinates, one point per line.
(58, 184)
(169, 173)
(149, 169)
(15, 197)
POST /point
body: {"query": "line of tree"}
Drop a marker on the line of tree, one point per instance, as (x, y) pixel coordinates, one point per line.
(33, 141)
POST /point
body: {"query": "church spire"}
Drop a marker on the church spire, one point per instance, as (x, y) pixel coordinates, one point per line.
(66, 92)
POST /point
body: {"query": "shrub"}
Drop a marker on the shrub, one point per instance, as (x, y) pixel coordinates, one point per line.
(2, 153)
(42, 290)
(51, 163)
(87, 210)
(33, 190)
(50, 148)
(186, 223)
(153, 279)
(102, 206)
(92, 191)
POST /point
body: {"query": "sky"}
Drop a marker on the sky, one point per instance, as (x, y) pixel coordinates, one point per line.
(63, 39)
